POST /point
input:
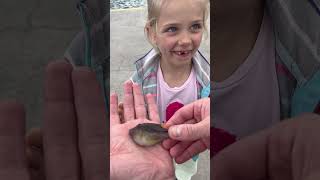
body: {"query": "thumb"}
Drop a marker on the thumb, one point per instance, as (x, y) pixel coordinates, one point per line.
(190, 132)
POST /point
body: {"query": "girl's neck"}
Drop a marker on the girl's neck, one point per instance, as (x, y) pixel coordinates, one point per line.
(175, 76)
(237, 26)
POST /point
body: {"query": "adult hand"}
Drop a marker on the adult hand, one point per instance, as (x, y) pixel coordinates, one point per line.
(34, 152)
(74, 136)
(289, 150)
(189, 130)
(75, 133)
(127, 88)
(13, 162)
(128, 160)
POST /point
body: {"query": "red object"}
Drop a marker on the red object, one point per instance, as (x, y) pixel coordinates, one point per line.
(282, 69)
(172, 108)
(219, 140)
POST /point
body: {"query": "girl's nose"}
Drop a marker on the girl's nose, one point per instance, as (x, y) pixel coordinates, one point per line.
(185, 39)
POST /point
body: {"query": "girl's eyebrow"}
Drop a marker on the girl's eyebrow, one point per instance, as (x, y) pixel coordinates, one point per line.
(171, 24)
(197, 21)
(178, 24)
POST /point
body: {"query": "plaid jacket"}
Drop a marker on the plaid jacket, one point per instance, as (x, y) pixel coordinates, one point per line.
(147, 67)
(297, 34)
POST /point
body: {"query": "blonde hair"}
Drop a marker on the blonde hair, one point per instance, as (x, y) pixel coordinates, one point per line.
(154, 7)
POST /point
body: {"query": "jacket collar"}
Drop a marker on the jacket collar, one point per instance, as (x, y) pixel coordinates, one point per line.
(149, 63)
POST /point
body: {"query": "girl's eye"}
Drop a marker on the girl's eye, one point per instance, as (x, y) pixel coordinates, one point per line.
(171, 29)
(196, 27)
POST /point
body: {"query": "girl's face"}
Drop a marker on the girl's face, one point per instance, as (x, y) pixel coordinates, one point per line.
(179, 31)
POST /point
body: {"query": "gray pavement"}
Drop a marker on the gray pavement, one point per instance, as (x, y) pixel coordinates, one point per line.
(32, 33)
(128, 43)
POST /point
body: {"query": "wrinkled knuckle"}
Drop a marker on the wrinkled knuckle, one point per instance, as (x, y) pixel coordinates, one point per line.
(189, 129)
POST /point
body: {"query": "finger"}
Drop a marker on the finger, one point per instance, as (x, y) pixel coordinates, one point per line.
(196, 110)
(12, 145)
(60, 126)
(169, 143)
(34, 138)
(152, 108)
(183, 114)
(36, 174)
(114, 115)
(120, 108)
(270, 151)
(92, 124)
(34, 149)
(139, 104)
(265, 158)
(191, 151)
(120, 112)
(190, 132)
(128, 101)
(35, 157)
(179, 148)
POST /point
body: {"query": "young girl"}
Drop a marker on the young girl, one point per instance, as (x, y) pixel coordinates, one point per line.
(273, 71)
(174, 71)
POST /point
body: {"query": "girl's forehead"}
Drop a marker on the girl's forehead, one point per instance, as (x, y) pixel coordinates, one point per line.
(179, 4)
(181, 9)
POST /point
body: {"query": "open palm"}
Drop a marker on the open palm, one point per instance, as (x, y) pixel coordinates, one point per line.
(129, 160)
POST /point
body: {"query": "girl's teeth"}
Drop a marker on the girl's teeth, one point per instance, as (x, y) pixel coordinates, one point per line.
(182, 52)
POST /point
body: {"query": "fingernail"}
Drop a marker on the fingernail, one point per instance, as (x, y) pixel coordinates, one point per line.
(177, 131)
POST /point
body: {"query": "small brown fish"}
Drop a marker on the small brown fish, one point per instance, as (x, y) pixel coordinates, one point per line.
(148, 134)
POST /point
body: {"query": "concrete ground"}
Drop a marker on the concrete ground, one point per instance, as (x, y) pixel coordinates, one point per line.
(128, 43)
(32, 33)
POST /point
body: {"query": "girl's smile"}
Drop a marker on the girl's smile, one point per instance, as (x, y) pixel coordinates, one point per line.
(183, 55)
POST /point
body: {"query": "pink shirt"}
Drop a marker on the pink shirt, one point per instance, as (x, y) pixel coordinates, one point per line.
(248, 100)
(169, 99)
